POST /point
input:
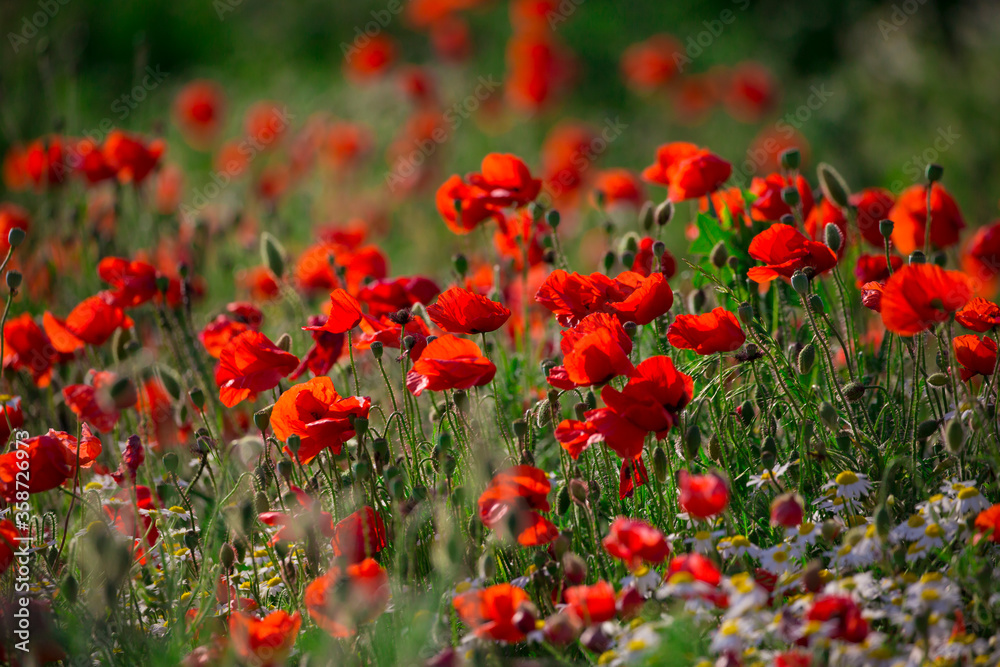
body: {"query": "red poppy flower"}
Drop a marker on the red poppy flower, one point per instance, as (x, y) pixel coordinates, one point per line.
(93, 322)
(27, 347)
(346, 144)
(490, 612)
(371, 59)
(619, 187)
(871, 268)
(134, 282)
(91, 163)
(266, 123)
(635, 542)
(219, 332)
(977, 356)
(249, 364)
(463, 206)
(266, 641)
(199, 111)
(294, 526)
(769, 206)
(787, 510)
(688, 171)
(344, 598)
(10, 538)
(730, 199)
(92, 403)
(516, 230)
(919, 296)
(359, 536)
(576, 436)
(873, 206)
(592, 604)
(651, 401)
(910, 215)
(793, 659)
(384, 297)
(44, 161)
(512, 502)
(988, 524)
(784, 250)
(315, 412)
(131, 158)
(565, 160)
(390, 334)
(652, 63)
(750, 92)
(871, 296)
(325, 351)
(345, 314)
(632, 297)
(978, 315)
(51, 460)
(709, 333)
(643, 262)
(11, 417)
(596, 350)
(539, 70)
(844, 615)
(631, 474)
(450, 362)
(506, 180)
(12, 216)
(460, 311)
(980, 259)
(702, 496)
(647, 298)
(695, 566)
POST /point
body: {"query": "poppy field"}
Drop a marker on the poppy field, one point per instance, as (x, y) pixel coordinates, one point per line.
(452, 353)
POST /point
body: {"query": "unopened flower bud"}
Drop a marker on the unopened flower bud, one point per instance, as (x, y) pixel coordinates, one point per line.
(832, 237)
(609, 260)
(647, 216)
(272, 254)
(15, 237)
(833, 185)
(293, 443)
(376, 349)
(787, 219)
(787, 510)
(170, 462)
(692, 441)
(806, 358)
(461, 264)
(954, 436)
(284, 342)
(525, 618)
(918, 257)
(664, 212)
(719, 255)
(934, 173)
(13, 280)
(660, 464)
(815, 303)
(575, 568)
(631, 329)
(800, 283)
(790, 196)
(854, 391)
(926, 429)
(790, 158)
(828, 414)
(745, 312)
(553, 218)
(885, 228)
(938, 380)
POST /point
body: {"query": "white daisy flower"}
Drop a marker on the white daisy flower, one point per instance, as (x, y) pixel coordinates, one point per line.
(736, 547)
(850, 485)
(768, 476)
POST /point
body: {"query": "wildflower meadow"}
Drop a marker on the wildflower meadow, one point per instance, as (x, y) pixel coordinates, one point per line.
(531, 333)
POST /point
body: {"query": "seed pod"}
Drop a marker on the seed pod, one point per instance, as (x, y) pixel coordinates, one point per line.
(806, 359)
(170, 462)
(15, 237)
(591, 400)
(580, 410)
(926, 429)
(692, 441)
(790, 158)
(917, 257)
(660, 464)
(832, 237)
(715, 448)
(719, 255)
(800, 283)
(13, 280)
(954, 436)
(285, 469)
(938, 380)
(745, 312)
(828, 414)
(293, 443)
(833, 185)
(885, 228)
(261, 503)
(553, 218)
(854, 391)
(815, 303)
(376, 349)
(934, 173)
(790, 196)
(609, 260)
(284, 342)
(745, 413)
(262, 418)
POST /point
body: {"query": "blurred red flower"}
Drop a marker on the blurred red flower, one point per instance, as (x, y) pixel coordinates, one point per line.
(131, 158)
(977, 356)
(636, 542)
(978, 315)
(702, 496)
(345, 314)
(511, 504)
(842, 615)
(490, 612)
(873, 206)
(688, 171)
(51, 460)
(199, 111)
(267, 641)
(918, 296)
(652, 63)
(909, 214)
(344, 598)
(592, 604)
(27, 347)
(769, 206)
(360, 535)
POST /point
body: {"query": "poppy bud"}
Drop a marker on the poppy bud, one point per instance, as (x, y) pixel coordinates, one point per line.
(813, 577)
(562, 500)
(580, 410)
(830, 530)
(162, 284)
(272, 254)
(715, 448)
(854, 391)
(885, 228)
(376, 349)
(285, 469)
(227, 556)
(461, 263)
(261, 503)
(806, 358)
(954, 436)
(733, 262)
(790, 158)
(938, 380)
(790, 196)
(934, 173)
(69, 587)
(574, 568)
(697, 301)
(883, 521)
(800, 283)
(828, 414)
(831, 236)
(13, 280)
(692, 441)
(917, 257)
(629, 602)
(787, 510)
(15, 237)
(926, 429)
(787, 219)
(719, 255)
(815, 303)
(409, 341)
(461, 398)
(553, 219)
(578, 489)
(745, 312)
(525, 619)
(284, 342)
(647, 216)
(660, 464)
(293, 443)
(123, 393)
(939, 258)
(745, 413)
(487, 566)
(562, 628)
(596, 640)
(591, 400)
(594, 490)
(520, 428)
(360, 426)
(609, 260)
(833, 185)
(628, 258)
(664, 212)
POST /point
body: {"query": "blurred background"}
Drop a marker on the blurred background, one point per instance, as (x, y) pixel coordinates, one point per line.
(877, 89)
